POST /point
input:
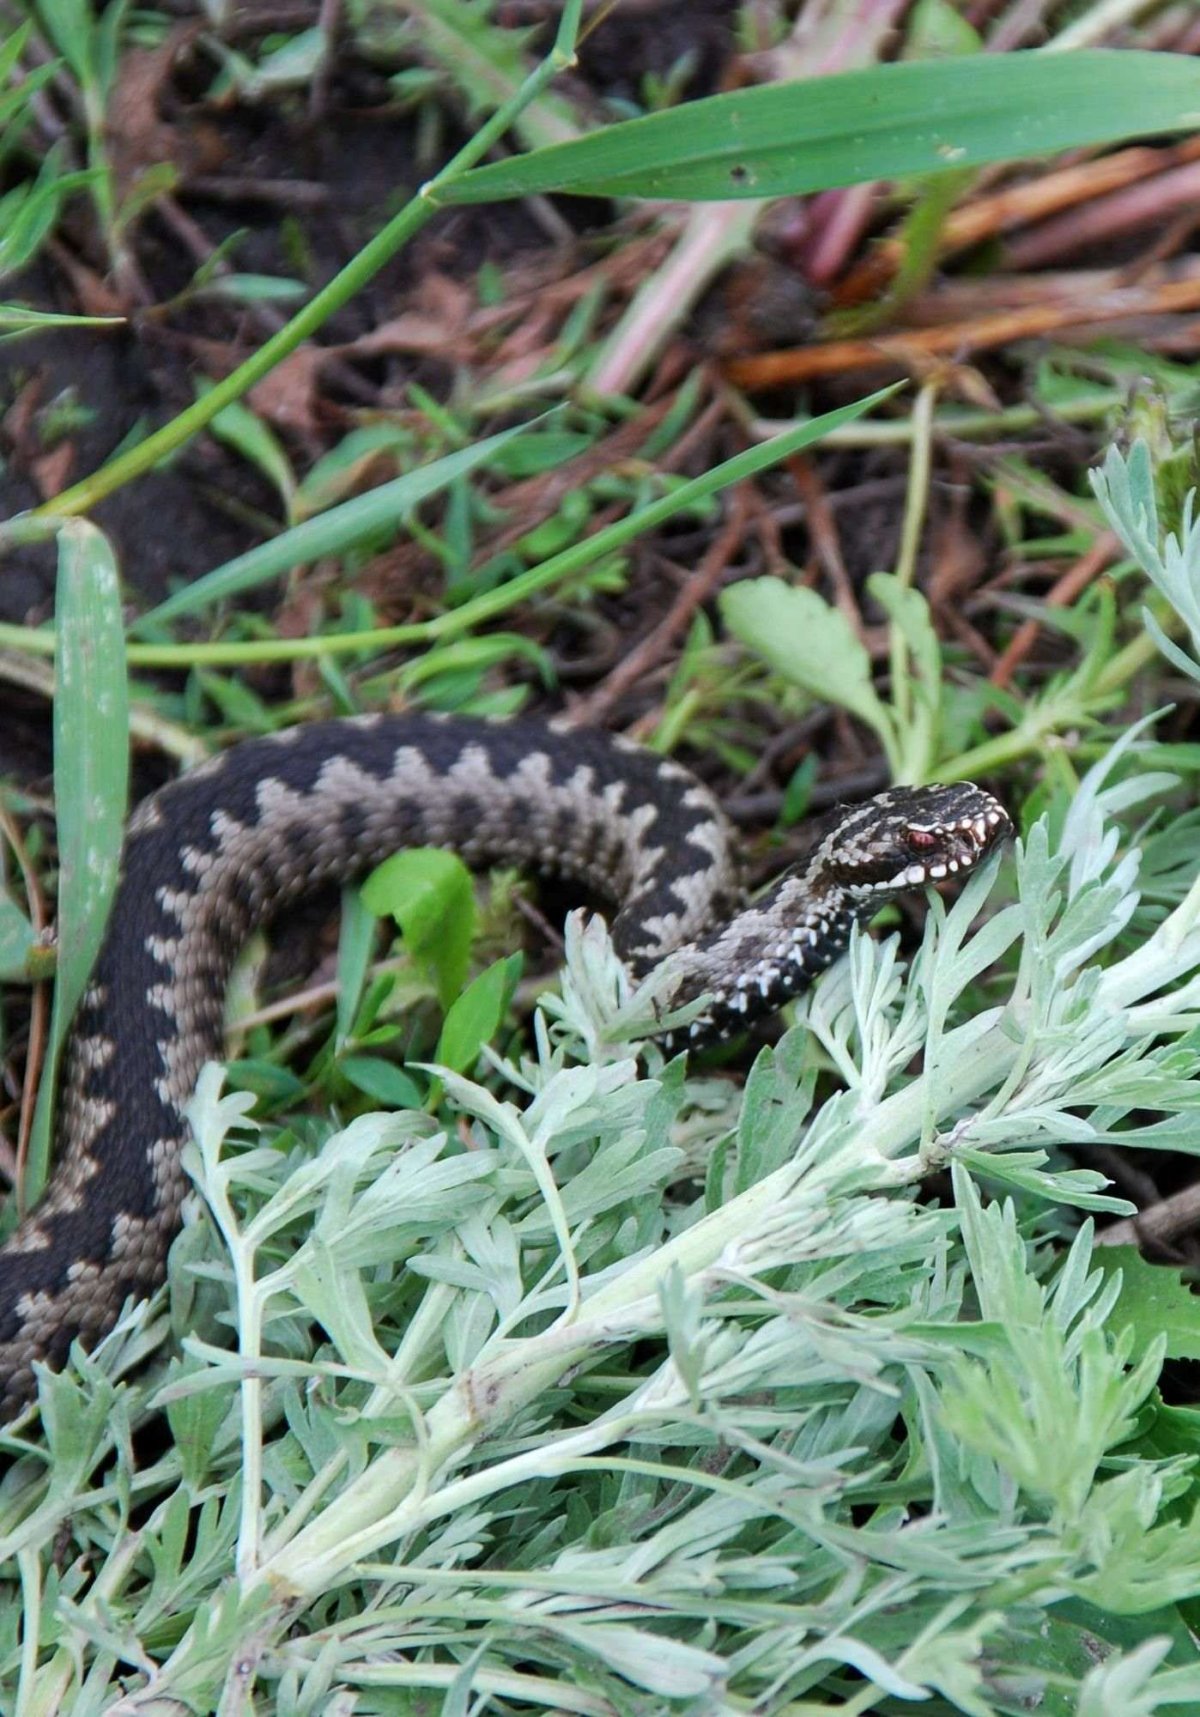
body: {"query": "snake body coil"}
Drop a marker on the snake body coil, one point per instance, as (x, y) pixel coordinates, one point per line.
(215, 854)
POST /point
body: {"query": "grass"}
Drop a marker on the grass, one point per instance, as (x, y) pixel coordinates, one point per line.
(575, 1381)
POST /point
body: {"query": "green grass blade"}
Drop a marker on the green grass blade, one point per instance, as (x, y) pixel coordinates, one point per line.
(330, 533)
(16, 321)
(490, 603)
(886, 122)
(91, 777)
(579, 556)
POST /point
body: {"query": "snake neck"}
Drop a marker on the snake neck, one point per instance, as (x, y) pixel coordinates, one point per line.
(768, 955)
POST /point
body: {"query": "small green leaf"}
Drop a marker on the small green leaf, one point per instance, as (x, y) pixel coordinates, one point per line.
(475, 1017)
(542, 450)
(239, 706)
(19, 320)
(383, 1081)
(431, 896)
(269, 1083)
(908, 611)
(1153, 1301)
(808, 642)
(17, 938)
(356, 939)
(243, 430)
(345, 468)
(29, 211)
(256, 289)
(195, 1422)
(937, 29)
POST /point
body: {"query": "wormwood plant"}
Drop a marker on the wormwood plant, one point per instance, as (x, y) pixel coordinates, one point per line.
(786, 1438)
(634, 1391)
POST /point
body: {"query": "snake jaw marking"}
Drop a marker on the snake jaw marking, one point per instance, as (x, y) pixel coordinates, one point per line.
(213, 855)
(917, 847)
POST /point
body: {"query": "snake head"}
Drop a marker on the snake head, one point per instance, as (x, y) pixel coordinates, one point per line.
(911, 836)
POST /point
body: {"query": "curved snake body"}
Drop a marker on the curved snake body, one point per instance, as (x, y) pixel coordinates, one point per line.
(220, 851)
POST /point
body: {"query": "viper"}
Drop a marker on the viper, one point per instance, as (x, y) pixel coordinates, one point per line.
(215, 854)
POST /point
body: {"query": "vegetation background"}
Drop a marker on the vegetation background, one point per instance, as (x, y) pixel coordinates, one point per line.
(807, 391)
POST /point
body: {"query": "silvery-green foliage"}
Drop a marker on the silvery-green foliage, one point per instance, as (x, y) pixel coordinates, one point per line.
(1132, 1685)
(1124, 488)
(610, 1387)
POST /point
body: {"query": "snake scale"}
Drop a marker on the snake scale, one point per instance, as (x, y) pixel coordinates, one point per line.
(213, 855)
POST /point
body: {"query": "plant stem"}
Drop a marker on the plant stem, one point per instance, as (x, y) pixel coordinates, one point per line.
(915, 503)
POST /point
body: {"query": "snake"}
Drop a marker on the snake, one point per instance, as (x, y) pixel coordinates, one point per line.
(216, 853)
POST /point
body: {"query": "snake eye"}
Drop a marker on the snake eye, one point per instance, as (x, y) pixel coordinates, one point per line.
(920, 840)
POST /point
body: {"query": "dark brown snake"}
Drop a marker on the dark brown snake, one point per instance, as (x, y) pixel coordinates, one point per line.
(215, 854)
